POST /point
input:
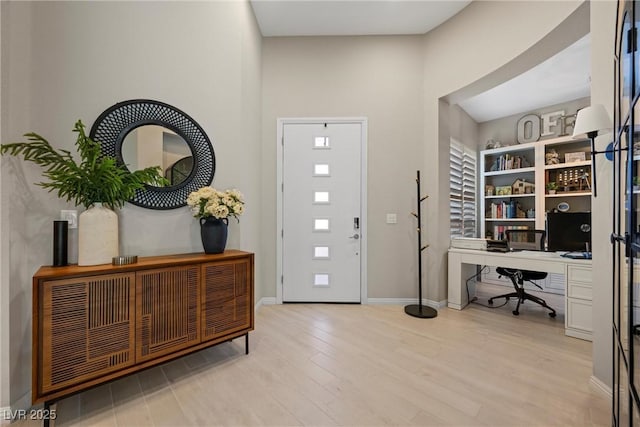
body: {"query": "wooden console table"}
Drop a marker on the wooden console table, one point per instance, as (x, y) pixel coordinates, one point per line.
(98, 323)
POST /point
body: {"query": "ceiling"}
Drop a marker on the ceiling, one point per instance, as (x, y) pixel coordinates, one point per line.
(352, 17)
(564, 77)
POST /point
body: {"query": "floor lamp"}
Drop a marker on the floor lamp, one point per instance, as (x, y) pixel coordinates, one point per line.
(590, 121)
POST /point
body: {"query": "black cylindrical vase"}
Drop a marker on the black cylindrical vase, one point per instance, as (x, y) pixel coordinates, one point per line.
(60, 243)
(214, 234)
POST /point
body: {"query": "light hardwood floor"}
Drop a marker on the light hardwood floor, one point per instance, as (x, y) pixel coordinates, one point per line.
(362, 365)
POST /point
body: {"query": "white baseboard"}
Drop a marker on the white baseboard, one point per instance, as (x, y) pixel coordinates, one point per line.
(600, 386)
(391, 301)
(265, 301)
(372, 301)
(440, 304)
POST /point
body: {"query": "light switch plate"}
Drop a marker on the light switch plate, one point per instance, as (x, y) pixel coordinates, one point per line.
(71, 216)
(392, 218)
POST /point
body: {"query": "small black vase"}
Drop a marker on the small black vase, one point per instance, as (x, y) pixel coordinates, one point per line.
(60, 242)
(214, 234)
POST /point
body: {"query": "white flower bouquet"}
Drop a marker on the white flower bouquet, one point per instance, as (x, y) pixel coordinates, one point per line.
(208, 202)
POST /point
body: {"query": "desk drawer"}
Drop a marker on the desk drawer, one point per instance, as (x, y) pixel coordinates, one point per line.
(580, 290)
(578, 315)
(532, 264)
(579, 274)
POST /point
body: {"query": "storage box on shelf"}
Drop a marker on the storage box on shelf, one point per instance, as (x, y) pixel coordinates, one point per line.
(513, 182)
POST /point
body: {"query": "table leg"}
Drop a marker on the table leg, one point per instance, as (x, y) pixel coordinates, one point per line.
(46, 414)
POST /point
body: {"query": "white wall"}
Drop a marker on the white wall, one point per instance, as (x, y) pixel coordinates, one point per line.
(603, 22)
(462, 127)
(62, 61)
(505, 129)
(4, 256)
(17, 198)
(375, 77)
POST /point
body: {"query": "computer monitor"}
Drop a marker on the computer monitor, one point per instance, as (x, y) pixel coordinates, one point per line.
(569, 231)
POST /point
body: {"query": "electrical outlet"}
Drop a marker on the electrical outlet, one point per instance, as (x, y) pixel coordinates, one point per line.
(71, 216)
(392, 218)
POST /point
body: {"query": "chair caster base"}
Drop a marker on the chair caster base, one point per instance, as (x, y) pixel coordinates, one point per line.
(553, 314)
(516, 313)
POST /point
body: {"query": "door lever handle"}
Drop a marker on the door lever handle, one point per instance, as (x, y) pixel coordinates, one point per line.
(355, 236)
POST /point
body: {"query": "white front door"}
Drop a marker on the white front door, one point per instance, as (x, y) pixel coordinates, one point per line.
(322, 222)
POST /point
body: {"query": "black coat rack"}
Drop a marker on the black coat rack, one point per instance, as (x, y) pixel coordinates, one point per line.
(419, 310)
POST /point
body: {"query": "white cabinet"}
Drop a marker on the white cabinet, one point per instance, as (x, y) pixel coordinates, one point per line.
(513, 183)
(578, 316)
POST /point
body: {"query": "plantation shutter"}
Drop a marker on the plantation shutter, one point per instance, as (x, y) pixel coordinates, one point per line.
(462, 190)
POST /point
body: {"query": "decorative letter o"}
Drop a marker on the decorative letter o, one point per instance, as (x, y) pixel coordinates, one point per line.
(528, 129)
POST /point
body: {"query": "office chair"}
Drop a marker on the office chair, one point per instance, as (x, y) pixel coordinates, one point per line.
(519, 240)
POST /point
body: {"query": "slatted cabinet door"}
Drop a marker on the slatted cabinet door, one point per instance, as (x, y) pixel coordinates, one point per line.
(227, 297)
(88, 328)
(167, 310)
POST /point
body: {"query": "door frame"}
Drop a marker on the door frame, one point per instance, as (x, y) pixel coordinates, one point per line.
(281, 122)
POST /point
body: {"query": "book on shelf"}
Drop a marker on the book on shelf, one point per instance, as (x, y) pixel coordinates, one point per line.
(508, 162)
(499, 231)
(506, 210)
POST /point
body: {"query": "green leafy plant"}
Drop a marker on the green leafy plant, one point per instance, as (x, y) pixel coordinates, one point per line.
(552, 185)
(96, 179)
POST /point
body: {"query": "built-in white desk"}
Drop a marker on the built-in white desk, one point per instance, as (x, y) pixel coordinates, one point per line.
(577, 281)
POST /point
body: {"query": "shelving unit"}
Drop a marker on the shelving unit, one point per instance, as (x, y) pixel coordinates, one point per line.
(510, 171)
(564, 165)
(528, 207)
(573, 194)
(572, 177)
(510, 219)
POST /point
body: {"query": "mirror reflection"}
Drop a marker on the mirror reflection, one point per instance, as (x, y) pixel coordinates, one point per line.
(152, 145)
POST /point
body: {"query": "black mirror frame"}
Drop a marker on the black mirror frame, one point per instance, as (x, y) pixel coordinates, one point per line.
(113, 125)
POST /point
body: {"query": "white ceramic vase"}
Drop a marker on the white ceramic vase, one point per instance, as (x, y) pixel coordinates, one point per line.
(97, 235)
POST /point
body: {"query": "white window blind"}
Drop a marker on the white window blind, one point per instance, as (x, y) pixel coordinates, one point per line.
(462, 185)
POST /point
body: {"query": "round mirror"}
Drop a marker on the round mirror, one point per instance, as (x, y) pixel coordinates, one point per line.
(152, 145)
(143, 133)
